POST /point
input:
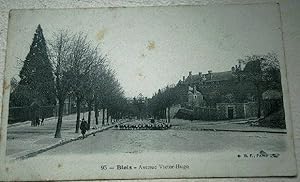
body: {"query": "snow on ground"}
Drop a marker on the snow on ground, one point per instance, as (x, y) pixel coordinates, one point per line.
(202, 151)
(139, 141)
(23, 138)
(182, 136)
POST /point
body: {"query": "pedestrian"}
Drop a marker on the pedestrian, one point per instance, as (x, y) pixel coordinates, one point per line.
(37, 121)
(83, 127)
(42, 121)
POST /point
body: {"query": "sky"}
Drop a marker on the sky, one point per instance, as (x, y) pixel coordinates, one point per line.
(152, 47)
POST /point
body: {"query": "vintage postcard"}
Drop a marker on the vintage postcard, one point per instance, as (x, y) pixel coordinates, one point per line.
(146, 92)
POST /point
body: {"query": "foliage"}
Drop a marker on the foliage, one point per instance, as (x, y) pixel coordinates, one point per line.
(262, 70)
(36, 76)
(164, 99)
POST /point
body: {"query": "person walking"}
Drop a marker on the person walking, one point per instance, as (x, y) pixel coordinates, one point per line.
(35, 113)
(83, 127)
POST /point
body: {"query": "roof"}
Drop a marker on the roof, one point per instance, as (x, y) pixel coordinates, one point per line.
(218, 76)
(215, 76)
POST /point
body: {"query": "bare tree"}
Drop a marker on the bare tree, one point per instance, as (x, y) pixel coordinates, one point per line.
(59, 53)
(91, 85)
(107, 89)
(82, 59)
(161, 102)
(113, 103)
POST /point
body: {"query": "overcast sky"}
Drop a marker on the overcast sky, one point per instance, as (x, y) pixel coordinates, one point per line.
(152, 47)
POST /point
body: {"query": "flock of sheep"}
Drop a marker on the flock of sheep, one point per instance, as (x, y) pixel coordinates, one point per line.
(158, 126)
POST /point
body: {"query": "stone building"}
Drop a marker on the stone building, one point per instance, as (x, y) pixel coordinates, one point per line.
(215, 87)
(219, 95)
(195, 97)
(236, 110)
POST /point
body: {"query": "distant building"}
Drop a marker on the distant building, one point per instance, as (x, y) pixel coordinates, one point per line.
(212, 79)
(206, 80)
(219, 95)
(213, 87)
(195, 97)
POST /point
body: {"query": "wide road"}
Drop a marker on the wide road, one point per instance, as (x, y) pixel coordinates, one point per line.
(182, 144)
(138, 141)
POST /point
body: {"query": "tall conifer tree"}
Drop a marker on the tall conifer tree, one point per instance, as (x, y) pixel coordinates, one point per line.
(36, 75)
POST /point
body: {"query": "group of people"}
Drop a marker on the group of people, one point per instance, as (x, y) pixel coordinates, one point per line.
(37, 121)
(36, 114)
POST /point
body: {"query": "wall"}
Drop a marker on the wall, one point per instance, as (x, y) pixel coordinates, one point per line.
(240, 110)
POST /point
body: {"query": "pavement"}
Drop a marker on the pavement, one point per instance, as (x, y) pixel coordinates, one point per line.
(237, 125)
(171, 140)
(24, 140)
(181, 143)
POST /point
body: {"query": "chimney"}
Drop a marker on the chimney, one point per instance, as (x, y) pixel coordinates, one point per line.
(183, 78)
(190, 73)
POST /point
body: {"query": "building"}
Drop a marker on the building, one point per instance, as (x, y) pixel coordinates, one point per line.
(219, 95)
(212, 80)
(195, 97)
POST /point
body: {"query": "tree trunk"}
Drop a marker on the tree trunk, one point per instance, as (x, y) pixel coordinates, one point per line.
(89, 114)
(103, 116)
(59, 120)
(165, 114)
(96, 113)
(78, 101)
(107, 117)
(259, 101)
(111, 119)
(169, 117)
(259, 90)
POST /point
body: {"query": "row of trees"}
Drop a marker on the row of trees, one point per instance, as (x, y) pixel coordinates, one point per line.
(69, 65)
(164, 99)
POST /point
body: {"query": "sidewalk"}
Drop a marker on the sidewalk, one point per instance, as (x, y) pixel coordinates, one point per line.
(229, 125)
(23, 139)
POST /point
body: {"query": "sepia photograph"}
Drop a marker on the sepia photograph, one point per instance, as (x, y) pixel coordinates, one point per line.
(146, 92)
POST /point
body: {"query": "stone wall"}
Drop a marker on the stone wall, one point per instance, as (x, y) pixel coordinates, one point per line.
(240, 110)
(251, 109)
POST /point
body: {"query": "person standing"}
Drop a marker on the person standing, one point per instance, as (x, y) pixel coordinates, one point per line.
(35, 113)
(83, 127)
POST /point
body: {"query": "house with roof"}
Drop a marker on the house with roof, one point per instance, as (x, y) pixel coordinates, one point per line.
(219, 95)
(195, 97)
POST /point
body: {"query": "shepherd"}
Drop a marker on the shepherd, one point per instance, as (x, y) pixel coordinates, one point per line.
(83, 127)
